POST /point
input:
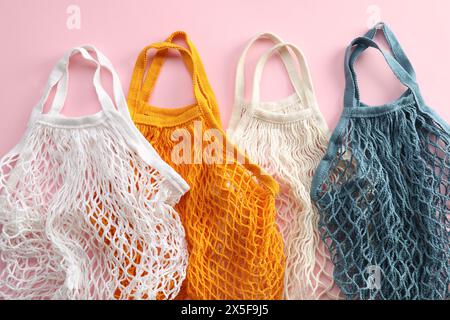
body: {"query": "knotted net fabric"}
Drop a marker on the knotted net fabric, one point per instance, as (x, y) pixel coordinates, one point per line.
(86, 212)
(235, 248)
(288, 139)
(383, 191)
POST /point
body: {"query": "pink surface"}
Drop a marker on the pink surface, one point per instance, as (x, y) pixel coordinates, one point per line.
(34, 35)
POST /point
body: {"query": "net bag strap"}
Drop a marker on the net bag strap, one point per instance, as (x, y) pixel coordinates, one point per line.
(202, 78)
(394, 45)
(59, 77)
(302, 83)
(239, 91)
(143, 81)
(351, 96)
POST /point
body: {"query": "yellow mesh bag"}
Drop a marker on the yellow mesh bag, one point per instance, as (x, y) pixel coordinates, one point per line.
(235, 247)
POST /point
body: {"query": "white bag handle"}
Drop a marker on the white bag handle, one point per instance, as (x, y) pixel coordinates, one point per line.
(60, 77)
(301, 81)
(239, 99)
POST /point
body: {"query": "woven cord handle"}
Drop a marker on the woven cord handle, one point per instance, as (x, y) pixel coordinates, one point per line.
(239, 91)
(302, 83)
(396, 49)
(60, 77)
(141, 87)
(202, 80)
(394, 45)
(351, 97)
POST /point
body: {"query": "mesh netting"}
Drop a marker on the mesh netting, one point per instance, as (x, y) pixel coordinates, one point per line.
(290, 152)
(235, 248)
(385, 203)
(85, 218)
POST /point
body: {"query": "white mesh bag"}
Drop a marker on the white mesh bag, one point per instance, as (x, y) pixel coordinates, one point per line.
(86, 204)
(288, 138)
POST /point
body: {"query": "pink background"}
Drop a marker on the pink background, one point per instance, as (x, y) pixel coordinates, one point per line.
(34, 35)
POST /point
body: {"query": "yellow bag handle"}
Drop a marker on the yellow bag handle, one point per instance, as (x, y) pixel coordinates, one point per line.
(202, 79)
(141, 89)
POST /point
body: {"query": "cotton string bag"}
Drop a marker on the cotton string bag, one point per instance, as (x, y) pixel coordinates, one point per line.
(86, 204)
(288, 138)
(383, 191)
(235, 248)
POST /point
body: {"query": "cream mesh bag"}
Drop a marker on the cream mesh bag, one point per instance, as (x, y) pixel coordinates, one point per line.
(86, 204)
(288, 138)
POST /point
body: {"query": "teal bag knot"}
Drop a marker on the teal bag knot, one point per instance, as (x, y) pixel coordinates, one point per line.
(383, 189)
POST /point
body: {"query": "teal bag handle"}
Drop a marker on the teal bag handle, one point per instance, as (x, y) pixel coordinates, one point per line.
(394, 45)
(351, 96)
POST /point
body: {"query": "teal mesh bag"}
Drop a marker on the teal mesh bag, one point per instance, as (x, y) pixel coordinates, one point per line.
(382, 190)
